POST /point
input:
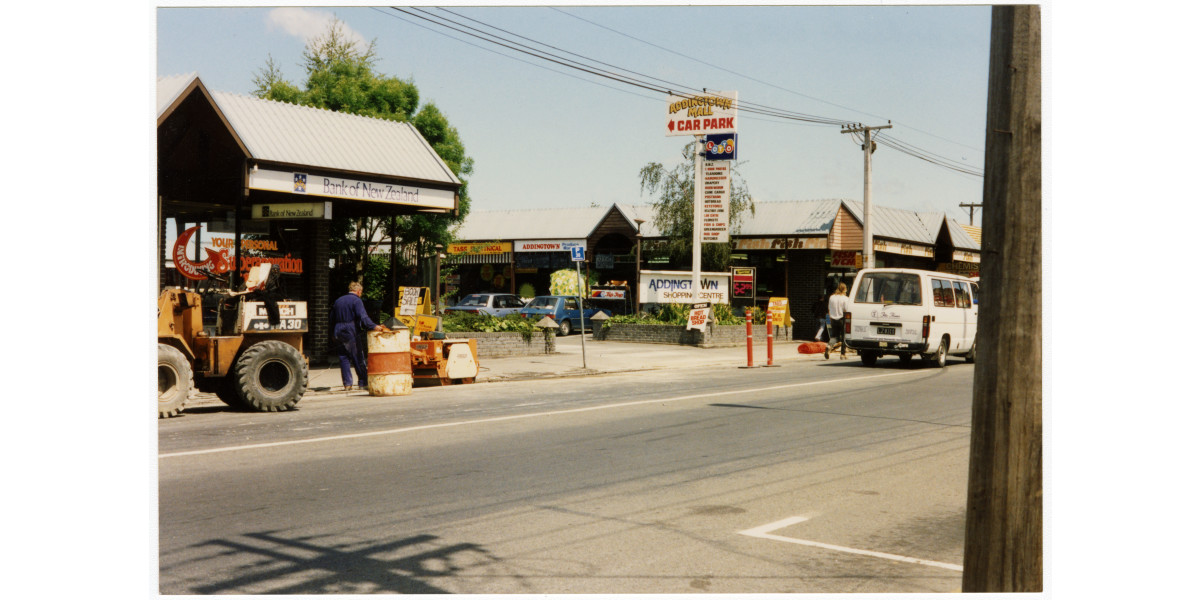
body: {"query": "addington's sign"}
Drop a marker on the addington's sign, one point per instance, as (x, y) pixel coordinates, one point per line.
(293, 182)
(711, 112)
(675, 287)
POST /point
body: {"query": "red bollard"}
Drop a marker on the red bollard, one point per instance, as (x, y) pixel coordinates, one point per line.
(749, 340)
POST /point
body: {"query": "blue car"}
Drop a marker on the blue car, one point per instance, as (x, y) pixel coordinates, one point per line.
(564, 310)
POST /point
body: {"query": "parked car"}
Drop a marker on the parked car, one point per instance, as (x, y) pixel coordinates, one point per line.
(564, 310)
(496, 305)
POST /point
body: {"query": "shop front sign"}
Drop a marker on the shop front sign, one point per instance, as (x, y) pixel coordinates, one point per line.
(477, 248)
(341, 188)
(675, 287)
(966, 256)
(845, 259)
(547, 245)
(292, 210)
(903, 248)
(797, 243)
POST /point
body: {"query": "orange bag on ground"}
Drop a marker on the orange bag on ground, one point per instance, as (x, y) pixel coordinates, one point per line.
(811, 348)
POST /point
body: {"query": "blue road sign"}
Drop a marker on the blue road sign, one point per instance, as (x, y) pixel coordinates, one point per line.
(577, 253)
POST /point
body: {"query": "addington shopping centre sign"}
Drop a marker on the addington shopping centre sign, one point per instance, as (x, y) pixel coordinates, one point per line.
(711, 112)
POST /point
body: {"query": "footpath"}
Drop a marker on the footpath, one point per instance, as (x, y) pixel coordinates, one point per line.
(602, 357)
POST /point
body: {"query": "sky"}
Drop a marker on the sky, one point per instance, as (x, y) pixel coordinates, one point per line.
(543, 135)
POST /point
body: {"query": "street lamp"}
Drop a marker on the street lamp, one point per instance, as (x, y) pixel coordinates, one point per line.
(637, 268)
(437, 281)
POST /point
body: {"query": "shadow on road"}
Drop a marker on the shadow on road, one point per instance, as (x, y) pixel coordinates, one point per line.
(267, 563)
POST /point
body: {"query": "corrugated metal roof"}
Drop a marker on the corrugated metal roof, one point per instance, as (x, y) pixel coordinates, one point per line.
(169, 88)
(532, 224)
(964, 236)
(303, 135)
(313, 137)
(895, 223)
(791, 217)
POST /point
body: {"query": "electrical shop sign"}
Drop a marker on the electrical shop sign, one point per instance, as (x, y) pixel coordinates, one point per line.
(341, 188)
(476, 248)
(675, 287)
(710, 112)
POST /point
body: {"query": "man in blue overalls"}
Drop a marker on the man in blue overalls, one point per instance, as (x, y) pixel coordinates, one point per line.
(347, 316)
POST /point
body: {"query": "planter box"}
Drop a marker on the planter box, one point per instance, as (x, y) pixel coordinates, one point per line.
(714, 336)
(496, 344)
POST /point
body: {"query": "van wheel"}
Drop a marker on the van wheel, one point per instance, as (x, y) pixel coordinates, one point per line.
(868, 358)
(971, 354)
(939, 358)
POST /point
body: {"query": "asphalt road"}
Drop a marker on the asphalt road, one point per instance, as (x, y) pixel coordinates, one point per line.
(818, 477)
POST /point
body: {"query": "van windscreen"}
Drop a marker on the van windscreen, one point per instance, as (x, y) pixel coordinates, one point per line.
(889, 288)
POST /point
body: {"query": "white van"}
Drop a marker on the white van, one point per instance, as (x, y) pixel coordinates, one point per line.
(909, 311)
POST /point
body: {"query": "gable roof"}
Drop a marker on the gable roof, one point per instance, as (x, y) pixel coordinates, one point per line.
(316, 138)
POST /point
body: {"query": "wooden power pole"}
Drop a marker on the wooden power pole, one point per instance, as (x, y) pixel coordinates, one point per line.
(1003, 551)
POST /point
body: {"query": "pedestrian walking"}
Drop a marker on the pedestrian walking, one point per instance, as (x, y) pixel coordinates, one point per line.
(349, 317)
(837, 321)
(820, 310)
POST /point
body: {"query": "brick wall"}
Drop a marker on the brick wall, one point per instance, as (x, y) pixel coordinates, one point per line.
(806, 280)
(497, 344)
(316, 286)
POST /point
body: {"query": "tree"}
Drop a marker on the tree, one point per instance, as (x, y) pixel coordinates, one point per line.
(342, 77)
(673, 211)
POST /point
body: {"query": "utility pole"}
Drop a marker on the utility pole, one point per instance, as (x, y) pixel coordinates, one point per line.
(1003, 546)
(972, 207)
(868, 149)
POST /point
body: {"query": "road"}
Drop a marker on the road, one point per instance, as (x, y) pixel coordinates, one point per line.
(817, 477)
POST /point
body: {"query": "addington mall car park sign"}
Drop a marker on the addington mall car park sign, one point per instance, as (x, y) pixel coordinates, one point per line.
(711, 112)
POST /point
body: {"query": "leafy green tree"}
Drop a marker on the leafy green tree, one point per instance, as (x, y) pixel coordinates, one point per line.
(342, 77)
(673, 210)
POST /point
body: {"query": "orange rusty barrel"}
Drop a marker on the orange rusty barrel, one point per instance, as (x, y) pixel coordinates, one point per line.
(389, 363)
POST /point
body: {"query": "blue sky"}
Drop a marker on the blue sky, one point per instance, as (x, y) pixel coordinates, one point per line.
(544, 139)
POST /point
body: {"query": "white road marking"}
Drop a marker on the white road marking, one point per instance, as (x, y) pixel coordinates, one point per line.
(765, 533)
(524, 416)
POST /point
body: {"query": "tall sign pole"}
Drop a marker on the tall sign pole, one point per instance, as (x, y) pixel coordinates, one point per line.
(697, 216)
(699, 115)
(868, 149)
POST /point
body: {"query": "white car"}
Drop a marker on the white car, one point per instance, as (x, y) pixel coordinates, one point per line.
(907, 312)
(496, 305)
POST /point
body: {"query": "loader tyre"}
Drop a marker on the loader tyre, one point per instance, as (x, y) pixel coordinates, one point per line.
(174, 381)
(270, 376)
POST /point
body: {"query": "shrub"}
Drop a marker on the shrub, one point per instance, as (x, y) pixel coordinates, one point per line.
(677, 314)
(463, 321)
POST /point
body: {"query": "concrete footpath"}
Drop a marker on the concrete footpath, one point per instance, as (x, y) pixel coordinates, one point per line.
(602, 357)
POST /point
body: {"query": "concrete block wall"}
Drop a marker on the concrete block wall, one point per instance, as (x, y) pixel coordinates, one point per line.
(497, 344)
(720, 335)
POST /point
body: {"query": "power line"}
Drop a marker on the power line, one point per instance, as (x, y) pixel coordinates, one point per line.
(743, 106)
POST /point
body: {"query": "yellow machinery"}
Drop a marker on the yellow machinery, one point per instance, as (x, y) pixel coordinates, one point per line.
(435, 359)
(249, 363)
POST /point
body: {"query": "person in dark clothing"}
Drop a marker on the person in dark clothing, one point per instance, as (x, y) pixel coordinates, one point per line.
(348, 317)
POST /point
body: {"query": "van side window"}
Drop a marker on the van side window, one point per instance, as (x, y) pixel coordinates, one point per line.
(975, 292)
(943, 294)
(961, 297)
(889, 288)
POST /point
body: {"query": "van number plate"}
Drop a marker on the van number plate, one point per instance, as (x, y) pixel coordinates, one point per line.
(887, 331)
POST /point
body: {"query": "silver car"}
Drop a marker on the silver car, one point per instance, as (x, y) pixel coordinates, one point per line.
(496, 305)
